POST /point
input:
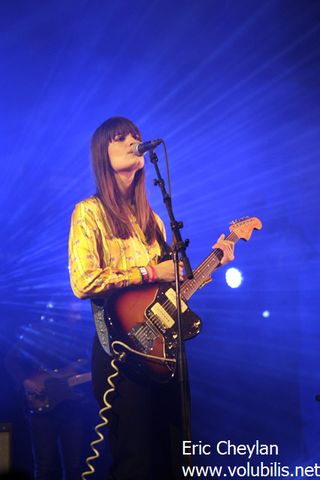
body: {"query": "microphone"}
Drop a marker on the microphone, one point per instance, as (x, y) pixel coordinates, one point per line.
(140, 149)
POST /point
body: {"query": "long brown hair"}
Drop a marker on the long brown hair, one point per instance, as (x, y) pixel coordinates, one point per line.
(107, 187)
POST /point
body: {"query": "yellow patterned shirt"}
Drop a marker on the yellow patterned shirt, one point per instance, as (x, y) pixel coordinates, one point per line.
(98, 261)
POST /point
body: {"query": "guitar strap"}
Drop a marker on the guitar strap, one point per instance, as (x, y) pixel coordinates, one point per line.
(98, 311)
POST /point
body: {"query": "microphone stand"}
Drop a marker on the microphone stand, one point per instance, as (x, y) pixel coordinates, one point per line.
(179, 247)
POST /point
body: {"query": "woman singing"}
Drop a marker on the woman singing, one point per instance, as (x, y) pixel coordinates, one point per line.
(116, 241)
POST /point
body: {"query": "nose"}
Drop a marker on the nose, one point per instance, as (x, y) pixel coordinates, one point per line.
(132, 141)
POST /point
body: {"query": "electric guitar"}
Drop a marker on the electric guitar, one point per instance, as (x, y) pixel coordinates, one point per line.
(56, 387)
(140, 321)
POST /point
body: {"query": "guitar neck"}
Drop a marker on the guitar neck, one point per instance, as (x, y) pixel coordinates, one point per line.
(79, 379)
(204, 270)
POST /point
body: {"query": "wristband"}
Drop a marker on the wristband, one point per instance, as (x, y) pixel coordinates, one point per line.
(153, 274)
(144, 274)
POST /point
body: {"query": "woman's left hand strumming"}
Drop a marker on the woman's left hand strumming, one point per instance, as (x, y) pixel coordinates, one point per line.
(227, 248)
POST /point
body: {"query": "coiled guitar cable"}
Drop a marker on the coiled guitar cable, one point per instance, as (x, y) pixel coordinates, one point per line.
(104, 419)
(120, 357)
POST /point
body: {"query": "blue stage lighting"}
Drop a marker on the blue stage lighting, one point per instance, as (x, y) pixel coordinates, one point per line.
(234, 277)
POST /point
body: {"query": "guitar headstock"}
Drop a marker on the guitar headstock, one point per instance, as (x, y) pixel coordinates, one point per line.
(243, 227)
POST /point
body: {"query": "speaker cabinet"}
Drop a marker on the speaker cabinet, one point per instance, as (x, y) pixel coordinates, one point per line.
(5, 447)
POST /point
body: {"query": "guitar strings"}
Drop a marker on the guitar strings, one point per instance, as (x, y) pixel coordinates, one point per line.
(202, 270)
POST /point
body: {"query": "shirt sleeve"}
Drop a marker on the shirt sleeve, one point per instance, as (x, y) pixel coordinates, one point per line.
(87, 277)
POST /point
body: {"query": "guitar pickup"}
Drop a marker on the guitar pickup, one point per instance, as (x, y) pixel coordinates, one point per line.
(171, 295)
(162, 315)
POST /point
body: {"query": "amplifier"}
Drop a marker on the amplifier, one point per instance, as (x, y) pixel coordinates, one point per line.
(5, 447)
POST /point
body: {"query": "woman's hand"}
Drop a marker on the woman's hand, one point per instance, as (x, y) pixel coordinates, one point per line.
(227, 247)
(165, 271)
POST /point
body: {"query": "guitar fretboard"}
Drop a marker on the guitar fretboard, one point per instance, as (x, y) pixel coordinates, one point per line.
(204, 270)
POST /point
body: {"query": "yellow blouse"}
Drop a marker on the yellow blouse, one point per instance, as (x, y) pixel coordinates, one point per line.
(98, 261)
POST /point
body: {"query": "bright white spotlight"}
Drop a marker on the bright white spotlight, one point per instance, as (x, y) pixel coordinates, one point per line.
(233, 277)
(266, 314)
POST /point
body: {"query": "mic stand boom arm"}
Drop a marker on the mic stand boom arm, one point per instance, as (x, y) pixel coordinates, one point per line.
(179, 249)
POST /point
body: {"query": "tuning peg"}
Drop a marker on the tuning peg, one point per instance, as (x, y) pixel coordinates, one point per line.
(238, 220)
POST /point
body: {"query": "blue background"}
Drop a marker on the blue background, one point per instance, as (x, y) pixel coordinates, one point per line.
(233, 88)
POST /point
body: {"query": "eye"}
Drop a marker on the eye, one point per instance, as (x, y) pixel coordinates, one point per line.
(119, 138)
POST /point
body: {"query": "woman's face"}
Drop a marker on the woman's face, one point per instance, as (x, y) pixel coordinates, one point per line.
(120, 154)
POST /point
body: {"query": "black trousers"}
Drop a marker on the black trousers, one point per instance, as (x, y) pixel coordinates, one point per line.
(144, 435)
(57, 441)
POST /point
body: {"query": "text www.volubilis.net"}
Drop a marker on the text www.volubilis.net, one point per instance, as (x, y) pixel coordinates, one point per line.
(263, 470)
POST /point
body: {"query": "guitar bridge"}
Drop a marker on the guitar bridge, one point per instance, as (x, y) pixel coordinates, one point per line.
(142, 337)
